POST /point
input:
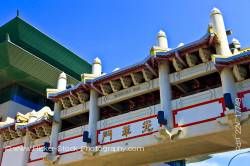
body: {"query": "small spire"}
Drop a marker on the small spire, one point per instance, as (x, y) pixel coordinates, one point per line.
(17, 13)
(180, 45)
(116, 69)
(215, 11)
(7, 37)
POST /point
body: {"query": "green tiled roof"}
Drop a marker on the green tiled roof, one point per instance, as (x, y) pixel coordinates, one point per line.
(40, 45)
(20, 66)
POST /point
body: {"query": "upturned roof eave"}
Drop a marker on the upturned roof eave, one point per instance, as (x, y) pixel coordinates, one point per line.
(168, 54)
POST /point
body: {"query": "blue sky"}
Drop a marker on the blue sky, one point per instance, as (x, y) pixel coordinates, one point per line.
(122, 32)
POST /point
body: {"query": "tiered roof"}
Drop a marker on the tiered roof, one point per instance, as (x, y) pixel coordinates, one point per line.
(31, 58)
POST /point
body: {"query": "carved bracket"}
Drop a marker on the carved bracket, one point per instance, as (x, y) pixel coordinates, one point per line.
(168, 134)
(51, 160)
(90, 151)
(231, 118)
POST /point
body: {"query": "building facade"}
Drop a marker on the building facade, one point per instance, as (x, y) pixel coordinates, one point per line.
(177, 104)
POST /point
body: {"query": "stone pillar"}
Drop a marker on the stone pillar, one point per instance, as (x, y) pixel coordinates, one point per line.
(164, 81)
(1, 148)
(165, 92)
(27, 142)
(227, 78)
(94, 116)
(56, 125)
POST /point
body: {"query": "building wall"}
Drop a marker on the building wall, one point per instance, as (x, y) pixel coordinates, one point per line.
(10, 109)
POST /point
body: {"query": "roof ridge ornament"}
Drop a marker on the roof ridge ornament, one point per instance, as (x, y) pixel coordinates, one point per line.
(17, 13)
(215, 10)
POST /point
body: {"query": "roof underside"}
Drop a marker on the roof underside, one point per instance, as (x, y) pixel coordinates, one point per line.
(35, 42)
(33, 60)
(19, 66)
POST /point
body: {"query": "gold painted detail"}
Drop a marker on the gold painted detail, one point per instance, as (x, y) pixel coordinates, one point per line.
(147, 126)
(126, 131)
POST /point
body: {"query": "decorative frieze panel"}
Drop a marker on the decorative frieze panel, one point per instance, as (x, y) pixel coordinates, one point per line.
(115, 85)
(13, 154)
(243, 85)
(72, 132)
(83, 97)
(71, 144)
(66, 102)
(76, 110)
(126, 81)
(199, 113)
(193, 72)
(205, 54)
(191, 59)
(106, 88)
(129, 130)
(141, 113)
(36, 153)
(17, 141)
(74, 100)
(137, 78)
(197, 98)
(124, 94)
(177, 64)
(240, 72)
(147, 74)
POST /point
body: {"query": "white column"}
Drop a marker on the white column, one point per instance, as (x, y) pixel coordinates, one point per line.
(217, 22)
(165, 92)
(94, 115)
(227, 79)
(56, 125)
(27, 142)
(1, 148)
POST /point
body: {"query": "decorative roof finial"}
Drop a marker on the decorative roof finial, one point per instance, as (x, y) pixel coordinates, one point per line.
(7, 37)
(97, 61)
(161, 33)
(17, 13)
(236, 43)
(215, 11)
(162, 40)
(180, 45)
